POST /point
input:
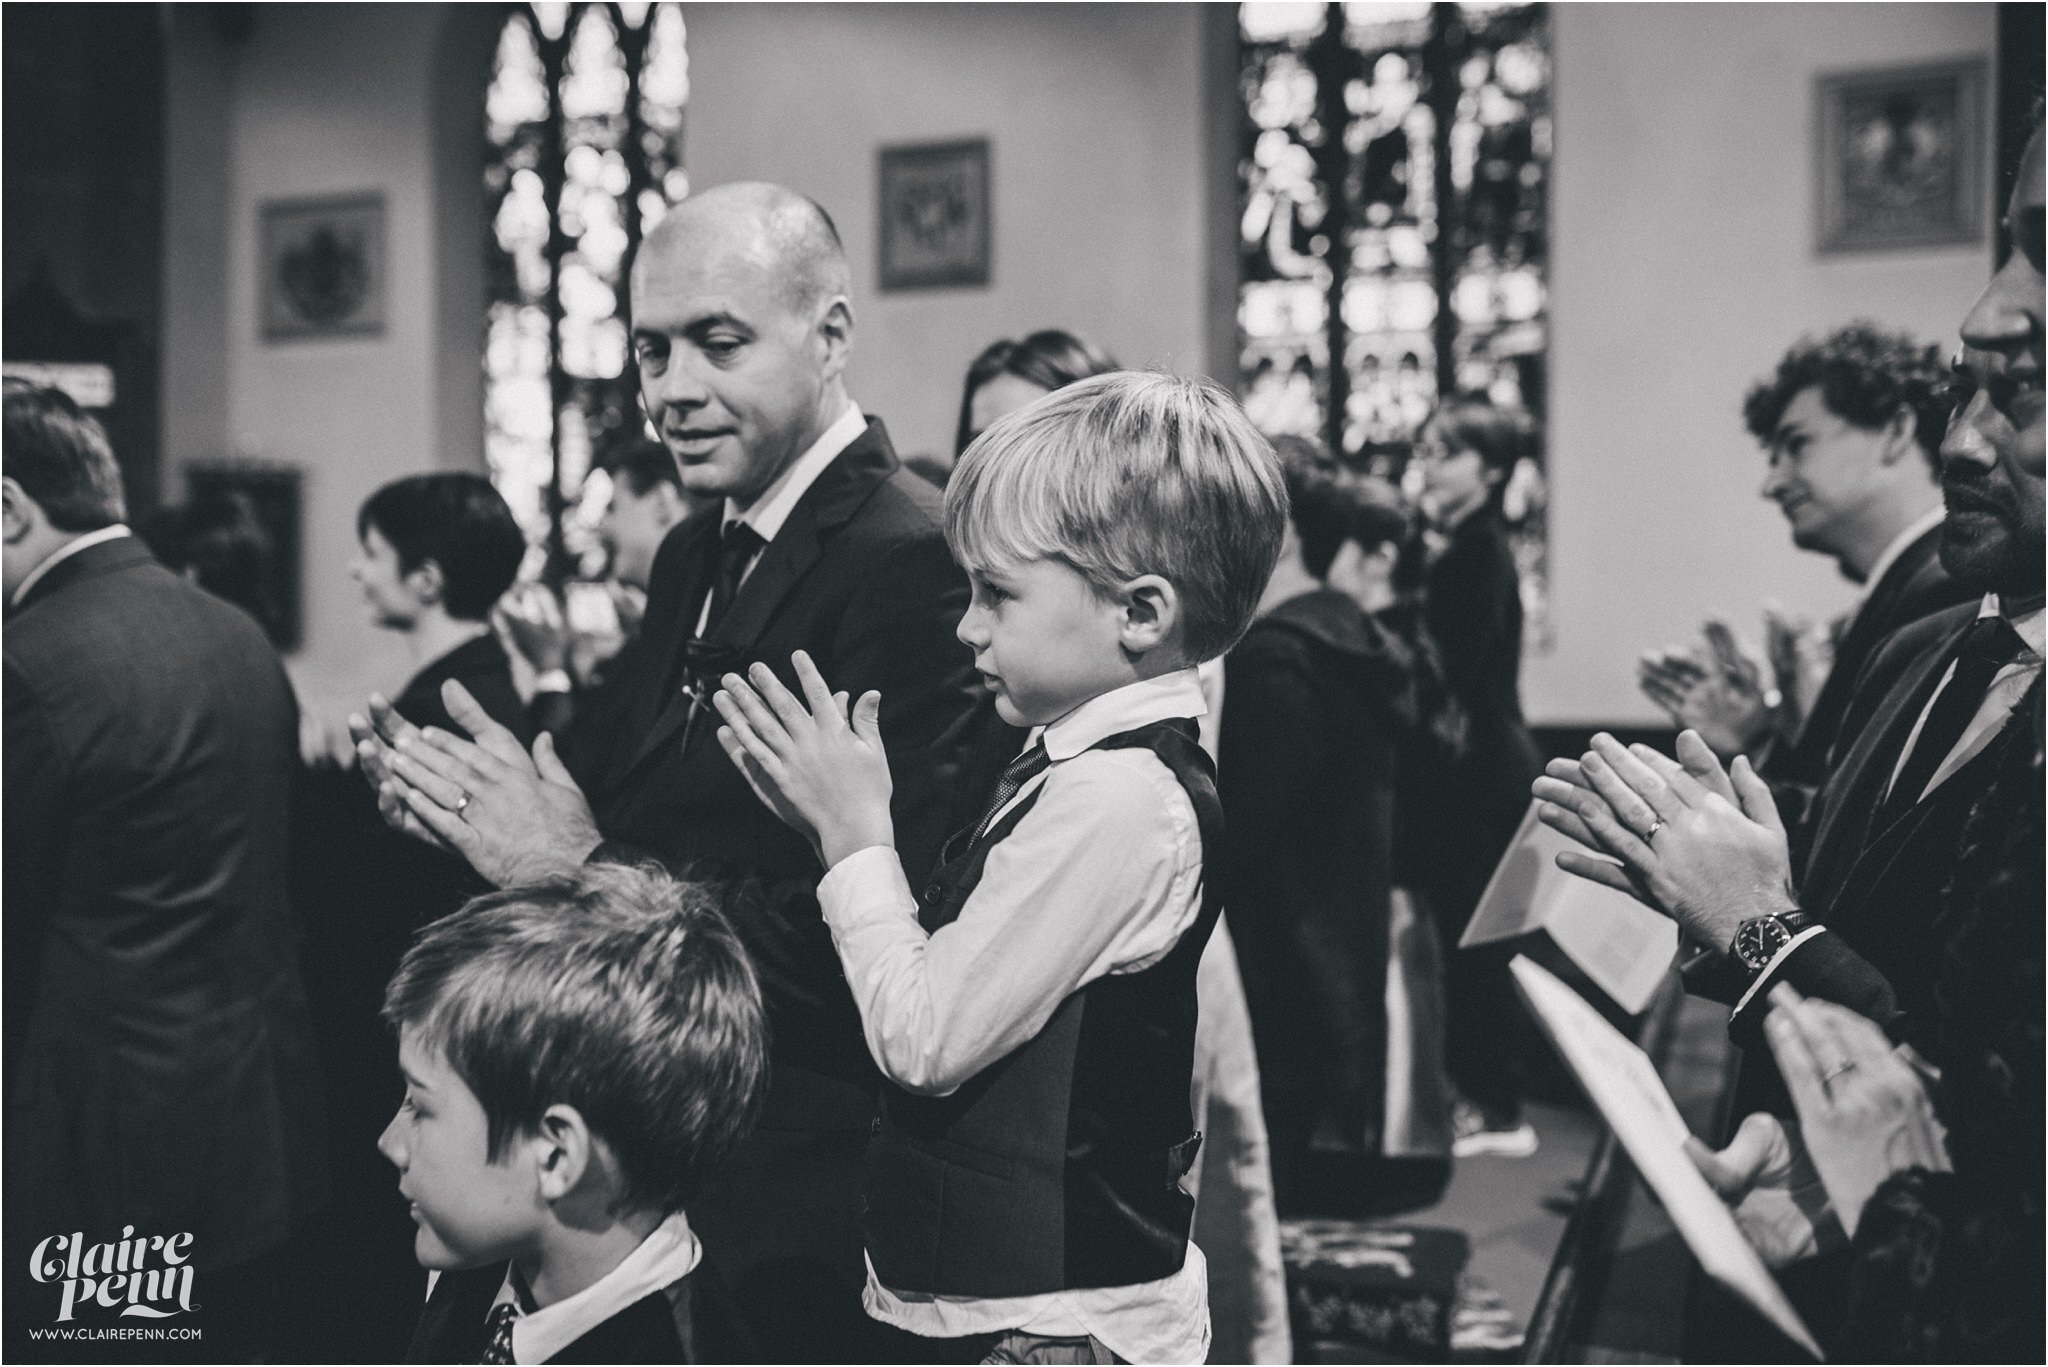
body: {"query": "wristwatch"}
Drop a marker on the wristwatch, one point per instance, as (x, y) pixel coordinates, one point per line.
(1759, 939)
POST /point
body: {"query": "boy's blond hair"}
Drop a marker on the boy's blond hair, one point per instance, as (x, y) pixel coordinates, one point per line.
(1127, 474)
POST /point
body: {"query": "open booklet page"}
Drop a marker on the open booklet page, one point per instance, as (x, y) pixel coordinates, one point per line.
(1619, 943)
(1633, 1100)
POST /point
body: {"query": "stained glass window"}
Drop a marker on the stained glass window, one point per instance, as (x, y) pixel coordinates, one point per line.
(585, 117)
(1394, 172)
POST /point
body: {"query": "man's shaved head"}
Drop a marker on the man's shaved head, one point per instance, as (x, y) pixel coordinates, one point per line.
(786, 234)
(741, 332)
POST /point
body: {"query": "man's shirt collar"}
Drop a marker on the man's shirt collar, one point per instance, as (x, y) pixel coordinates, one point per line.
(663, 1258)
(2028, 623)
(767, 513)
(63, 553)
(1178, 694)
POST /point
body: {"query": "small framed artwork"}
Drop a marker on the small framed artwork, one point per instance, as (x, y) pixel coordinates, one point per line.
(323, 267)
(1900, 157)
(935, 219)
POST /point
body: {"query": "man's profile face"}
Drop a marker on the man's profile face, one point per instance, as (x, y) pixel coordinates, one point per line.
(1823, 470)
(1991, 475)
(733, 375)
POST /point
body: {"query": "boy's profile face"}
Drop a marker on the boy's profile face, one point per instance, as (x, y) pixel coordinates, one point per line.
(470, 1210)
(1044, 640)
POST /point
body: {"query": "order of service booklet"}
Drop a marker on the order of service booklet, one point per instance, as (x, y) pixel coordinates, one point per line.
(1633, 1100)
(1622, 945)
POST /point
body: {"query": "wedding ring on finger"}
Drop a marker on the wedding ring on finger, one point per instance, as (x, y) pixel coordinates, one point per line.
(1845, 1066)
(461, 803)
(1656, 825)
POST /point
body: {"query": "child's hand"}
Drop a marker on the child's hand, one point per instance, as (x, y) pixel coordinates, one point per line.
(824, 774)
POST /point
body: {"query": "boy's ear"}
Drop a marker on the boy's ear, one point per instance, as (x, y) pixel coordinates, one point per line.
(1151, 614)
(563, 1151)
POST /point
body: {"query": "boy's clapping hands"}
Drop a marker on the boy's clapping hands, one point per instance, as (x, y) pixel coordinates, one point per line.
(821, 769)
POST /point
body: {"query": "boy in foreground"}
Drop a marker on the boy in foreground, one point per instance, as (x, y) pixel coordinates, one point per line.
(1034, 1007)
(578, 1055)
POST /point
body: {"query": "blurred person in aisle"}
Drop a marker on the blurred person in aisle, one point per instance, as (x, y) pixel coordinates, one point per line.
(219, 543)
(1236, 1225)
(577, 693)
(160, 1078)
(1324, 700)
(1472, 609)
(1853, 424)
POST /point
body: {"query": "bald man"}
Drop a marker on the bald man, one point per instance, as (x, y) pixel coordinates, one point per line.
(741, 330)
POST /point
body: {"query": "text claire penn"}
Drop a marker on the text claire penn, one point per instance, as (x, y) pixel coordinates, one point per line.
(120, 1271)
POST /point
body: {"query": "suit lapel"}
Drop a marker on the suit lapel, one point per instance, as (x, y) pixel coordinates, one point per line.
(1851, 823)
(1887, 843)
(837, 493)
(658, 662)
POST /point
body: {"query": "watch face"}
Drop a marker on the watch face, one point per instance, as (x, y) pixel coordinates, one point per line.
(1758, 941)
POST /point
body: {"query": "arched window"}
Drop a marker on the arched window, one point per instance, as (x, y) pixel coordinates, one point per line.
(585, 119)
(1394, 172)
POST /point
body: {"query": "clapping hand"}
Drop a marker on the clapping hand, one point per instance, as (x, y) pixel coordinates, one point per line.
(1864, 1111)
(1768, 1179)
(1719, 693)
(533, 619)
(822, 769)
(515, 817)
(1702, 844)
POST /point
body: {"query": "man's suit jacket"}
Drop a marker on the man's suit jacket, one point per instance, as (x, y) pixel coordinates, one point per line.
(860, 578)
(159, 1058)
(1912, 587)
(1875, 879)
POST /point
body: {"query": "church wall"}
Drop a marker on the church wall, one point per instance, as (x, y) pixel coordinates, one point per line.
(1682, 266)
(1094, 117)
(315, 101)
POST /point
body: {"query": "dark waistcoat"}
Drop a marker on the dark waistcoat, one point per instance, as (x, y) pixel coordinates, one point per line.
(1058, 1166)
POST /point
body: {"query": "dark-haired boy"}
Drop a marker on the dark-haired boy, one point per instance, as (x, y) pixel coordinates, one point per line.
(579, 1054)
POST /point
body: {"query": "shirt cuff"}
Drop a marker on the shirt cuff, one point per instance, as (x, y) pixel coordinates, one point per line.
(866, 885)
(1763, 979)
(553, 681)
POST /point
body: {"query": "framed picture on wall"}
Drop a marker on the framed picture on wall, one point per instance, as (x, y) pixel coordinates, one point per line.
(323, 266)
(935, 219)
(1900, 157)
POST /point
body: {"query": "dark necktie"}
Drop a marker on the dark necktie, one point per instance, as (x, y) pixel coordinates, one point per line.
(503, 1316)
(1016, 774)
(738, 544)
(1988, 646)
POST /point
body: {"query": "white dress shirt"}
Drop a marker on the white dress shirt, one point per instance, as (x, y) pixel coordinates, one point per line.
(772, 507)
(63, 553)
(663, 1258)
(2008, 686)
(1102, 876)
